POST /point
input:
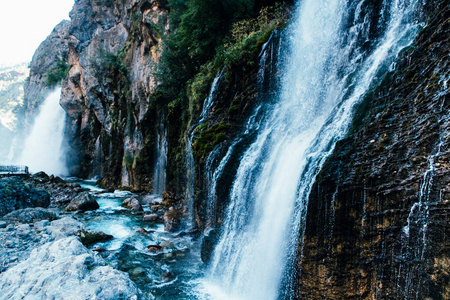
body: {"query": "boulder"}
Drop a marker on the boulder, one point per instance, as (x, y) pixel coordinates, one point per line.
(65, 269)
(41, 177)
(15, 194)
(133, 204)
(82, 202)
(30, 215)
(154, 248)
(152, 218)
(172, 219)
(64, 227)
(89, 237)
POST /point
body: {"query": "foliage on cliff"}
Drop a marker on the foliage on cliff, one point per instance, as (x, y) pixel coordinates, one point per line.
(213, 33)
(206, 37)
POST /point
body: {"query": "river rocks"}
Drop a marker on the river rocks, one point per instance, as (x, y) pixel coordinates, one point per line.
(133, 204)
(152, 218)
(30, 215)
(172, 219)
(83, 202)
(64, 227)
(154, 248)
(91, 237)
(65, 269)
(41, 177)
(208, 242)
(15, 194)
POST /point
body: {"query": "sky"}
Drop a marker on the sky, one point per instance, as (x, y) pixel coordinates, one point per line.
(24, 24)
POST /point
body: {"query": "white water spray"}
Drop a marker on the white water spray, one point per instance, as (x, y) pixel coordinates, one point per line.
(43, 149)
(325, 76)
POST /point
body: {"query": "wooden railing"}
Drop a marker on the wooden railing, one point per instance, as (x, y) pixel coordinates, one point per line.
(13, 170)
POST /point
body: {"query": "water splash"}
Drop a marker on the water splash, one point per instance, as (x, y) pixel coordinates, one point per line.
(43, 148)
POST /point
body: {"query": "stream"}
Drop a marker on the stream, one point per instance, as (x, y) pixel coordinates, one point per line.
(164, 272)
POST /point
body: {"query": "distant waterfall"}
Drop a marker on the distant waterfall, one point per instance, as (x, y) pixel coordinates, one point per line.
(43, 148)
(330, 64)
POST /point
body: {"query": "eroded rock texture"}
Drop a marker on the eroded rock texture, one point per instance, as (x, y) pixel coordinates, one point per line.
(65, 269)
(378, 216)
(105, 59)
(107, 91)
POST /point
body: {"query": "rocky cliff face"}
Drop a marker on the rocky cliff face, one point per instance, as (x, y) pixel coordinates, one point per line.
(378, 217)
(107, 93)
(105, 59)
(52, 52)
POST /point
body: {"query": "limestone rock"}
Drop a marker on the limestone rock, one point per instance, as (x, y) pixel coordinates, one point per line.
(30, 215)
(65, 269)
(133, 204)
(17, 241)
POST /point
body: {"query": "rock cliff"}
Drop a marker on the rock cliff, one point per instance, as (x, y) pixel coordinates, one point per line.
(105, 59)
(107, 93)
(377, 222)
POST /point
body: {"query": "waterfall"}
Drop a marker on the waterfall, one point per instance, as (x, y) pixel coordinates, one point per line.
(190, 163)
(265, 78)
(329, 65)
(43, 148)
(159, 173)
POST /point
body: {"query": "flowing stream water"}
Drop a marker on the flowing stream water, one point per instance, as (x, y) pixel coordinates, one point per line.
(43, 148)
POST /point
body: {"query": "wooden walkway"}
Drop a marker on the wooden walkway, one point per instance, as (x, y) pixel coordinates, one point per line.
(6, 171)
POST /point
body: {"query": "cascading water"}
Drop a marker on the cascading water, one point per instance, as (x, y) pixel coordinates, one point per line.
(190, 164)
(326, 72)
(265, 81)
(159, 173)
(43, 148)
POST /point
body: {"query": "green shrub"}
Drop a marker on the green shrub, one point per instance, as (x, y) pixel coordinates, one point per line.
(58, 73)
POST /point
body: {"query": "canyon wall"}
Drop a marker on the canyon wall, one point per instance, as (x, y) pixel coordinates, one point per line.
(378, 216)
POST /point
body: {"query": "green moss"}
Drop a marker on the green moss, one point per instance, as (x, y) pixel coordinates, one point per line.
(232, 111)
(128, 160)
(208, 138)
